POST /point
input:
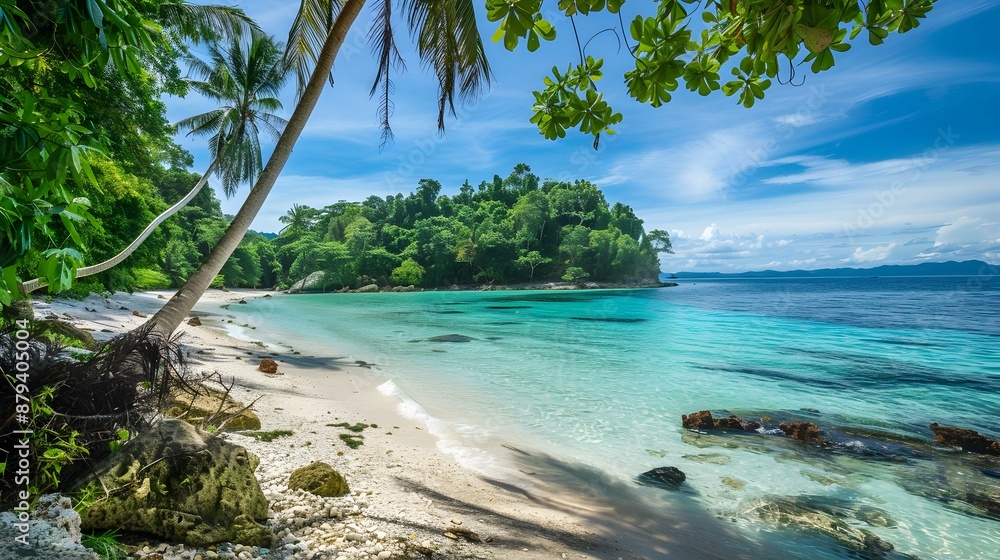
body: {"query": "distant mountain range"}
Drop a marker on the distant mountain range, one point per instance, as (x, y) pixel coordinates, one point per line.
(950, 268)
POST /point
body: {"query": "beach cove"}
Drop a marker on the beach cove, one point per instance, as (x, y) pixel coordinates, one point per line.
(518, 414)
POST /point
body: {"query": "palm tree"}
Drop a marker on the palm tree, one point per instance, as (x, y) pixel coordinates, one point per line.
(297, 219)
(447, 40)
(245, 80)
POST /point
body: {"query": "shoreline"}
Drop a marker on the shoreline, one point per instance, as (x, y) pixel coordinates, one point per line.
(297, 288)
(404, 480)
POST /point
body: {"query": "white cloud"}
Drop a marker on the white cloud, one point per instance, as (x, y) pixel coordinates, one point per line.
(710, 233)
(871, 255)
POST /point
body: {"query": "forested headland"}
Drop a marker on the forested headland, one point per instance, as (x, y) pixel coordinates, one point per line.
(505, 230)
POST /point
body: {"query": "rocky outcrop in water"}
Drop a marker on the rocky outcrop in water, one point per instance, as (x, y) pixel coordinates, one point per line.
(703, 420)
(804, 431)
(181, 484)
(669, 478)
(969, 440)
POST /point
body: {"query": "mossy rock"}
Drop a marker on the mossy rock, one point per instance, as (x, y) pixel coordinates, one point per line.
(67, 330)
(320, 479)
(184, 485)
(206, 403)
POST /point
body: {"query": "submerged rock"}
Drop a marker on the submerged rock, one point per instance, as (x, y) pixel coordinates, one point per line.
(320, 479)
(968, 440)
(709, 458)
(670, 478)
(451, 338)
(181, 484)
(802, 513)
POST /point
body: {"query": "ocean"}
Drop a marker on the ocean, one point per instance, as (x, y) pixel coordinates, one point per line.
(598, 381)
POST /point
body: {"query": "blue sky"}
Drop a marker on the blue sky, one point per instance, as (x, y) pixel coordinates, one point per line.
(891, 157)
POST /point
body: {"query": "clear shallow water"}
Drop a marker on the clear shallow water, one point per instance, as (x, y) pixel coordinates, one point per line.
(600, 379)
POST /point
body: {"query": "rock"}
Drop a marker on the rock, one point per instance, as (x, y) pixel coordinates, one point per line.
(320, 479)
(804, 431)
(312, 283)
(800, 514)
(709, 458)
(200, 408)
(242, 302)
(20, 310)
(367, 289)
(195, 322)
(65, 329)
(670, 478)
(969, 440)
(54, 531)
(702, 420)
(181, 484)
(137, 314)
(267, 365)
(451, 338)
(734, 483)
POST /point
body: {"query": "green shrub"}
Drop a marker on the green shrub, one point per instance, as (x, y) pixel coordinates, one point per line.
(408, 273)
(150, 279)
(219, 282)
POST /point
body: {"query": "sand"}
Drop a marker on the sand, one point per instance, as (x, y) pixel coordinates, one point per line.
(415, 490)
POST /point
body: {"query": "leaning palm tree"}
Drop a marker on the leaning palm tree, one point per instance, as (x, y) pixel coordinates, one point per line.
(448, 42)
(245, 79)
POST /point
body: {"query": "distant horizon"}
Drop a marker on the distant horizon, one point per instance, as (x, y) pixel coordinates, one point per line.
(995, 269)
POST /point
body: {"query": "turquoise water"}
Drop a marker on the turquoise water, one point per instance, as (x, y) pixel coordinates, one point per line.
(601, 378)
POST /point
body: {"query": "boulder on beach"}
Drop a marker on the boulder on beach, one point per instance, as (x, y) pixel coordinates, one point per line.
(181, 484)
(195, 322)
(370, 288)
(267, 365)
(670, 478)
(320, 479)
(210, 406)
(312, 283)
(969, 440)
(67, 330)
(54, 529)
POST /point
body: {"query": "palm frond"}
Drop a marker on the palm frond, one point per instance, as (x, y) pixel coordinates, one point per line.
(307, 36)
(382, 41)
(207, 23)
(448, 41)
(204, 123)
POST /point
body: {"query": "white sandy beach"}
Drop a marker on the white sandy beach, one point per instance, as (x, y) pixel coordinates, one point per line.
(405, 489)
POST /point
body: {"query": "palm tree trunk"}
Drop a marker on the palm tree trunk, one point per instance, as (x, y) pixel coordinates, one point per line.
(168, 318)
(32, 285)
